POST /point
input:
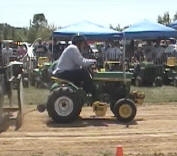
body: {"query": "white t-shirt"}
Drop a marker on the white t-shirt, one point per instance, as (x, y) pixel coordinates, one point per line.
(71, 59)
(159, 52)
(113, 53)
(149, 51)
(6, 54)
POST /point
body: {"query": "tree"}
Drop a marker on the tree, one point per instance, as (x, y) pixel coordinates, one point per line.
(117, 28)
(31, 36)
(39, 20)
(175, 17)
(160, 19)
(165, 19)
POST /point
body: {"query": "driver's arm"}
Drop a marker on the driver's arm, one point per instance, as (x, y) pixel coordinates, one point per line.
(80, 60)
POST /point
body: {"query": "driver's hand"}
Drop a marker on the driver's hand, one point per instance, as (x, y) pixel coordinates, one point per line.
(93, 61)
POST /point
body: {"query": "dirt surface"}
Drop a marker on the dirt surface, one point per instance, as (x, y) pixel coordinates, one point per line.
(154, 132)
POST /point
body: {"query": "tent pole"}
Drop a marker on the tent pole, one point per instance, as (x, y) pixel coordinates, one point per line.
(52, 47)
(124, 65)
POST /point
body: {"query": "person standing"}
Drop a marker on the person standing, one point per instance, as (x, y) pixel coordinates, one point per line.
(54, 50)
(21, 51)
(40, 49)
(7, 52)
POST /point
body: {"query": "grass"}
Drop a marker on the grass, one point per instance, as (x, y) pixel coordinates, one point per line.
(35, 96)
(158, 94)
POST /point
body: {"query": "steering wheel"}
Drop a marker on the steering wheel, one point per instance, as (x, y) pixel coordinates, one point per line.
(91, 69)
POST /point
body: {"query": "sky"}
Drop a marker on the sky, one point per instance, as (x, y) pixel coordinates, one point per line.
(18, 13)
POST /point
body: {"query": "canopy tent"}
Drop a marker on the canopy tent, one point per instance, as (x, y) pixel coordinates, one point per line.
(91, 30)
(149, 30)
(173, 25)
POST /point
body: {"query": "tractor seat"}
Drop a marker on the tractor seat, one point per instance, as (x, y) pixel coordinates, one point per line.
(171, 61)
(59, 80)
(42, 60)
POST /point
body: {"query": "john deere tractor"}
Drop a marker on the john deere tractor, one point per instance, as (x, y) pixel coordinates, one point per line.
(66, 100)
(40, 77)
(148, 73)
(170, 73)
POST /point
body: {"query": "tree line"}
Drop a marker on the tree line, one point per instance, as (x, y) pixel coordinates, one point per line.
(164, 19)
(39, 27)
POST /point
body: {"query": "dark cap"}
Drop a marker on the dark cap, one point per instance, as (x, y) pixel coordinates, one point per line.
(78, 39)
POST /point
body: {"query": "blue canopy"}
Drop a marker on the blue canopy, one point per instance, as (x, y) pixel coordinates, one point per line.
(149, 30)
(173, 25)
(91, 30)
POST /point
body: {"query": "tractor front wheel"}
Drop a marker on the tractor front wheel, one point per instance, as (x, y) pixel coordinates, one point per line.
(125, 110)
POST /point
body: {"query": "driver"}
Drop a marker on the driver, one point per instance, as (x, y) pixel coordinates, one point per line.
(72, 66)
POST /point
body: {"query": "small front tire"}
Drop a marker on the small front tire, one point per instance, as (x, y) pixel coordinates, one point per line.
(125, 110)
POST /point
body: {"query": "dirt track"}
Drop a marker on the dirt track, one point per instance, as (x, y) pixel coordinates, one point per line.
(154, 131)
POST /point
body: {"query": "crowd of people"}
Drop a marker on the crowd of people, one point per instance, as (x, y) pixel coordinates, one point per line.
(155, 51)
(151, 51)
(47, 49)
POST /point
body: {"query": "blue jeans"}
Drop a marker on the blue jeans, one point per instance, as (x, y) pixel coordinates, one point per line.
(78, 77)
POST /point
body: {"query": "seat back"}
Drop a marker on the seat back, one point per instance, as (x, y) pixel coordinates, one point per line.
(59, 80)
(42, 60)
(171, 61)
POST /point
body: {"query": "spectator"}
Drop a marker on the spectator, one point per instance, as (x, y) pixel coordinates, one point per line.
(139, 56)
(40, 49)
(54, 50)
(159, 53)
(7, 52)
(148, 51)
(21, 51)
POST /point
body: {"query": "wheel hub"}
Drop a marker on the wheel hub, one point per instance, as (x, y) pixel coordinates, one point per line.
(63, 106)
(125, 111)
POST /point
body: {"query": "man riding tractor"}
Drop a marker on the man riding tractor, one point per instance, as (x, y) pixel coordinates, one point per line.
(72, 66)
(75, 86)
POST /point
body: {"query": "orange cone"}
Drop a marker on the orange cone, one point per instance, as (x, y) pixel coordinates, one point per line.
(119, 151)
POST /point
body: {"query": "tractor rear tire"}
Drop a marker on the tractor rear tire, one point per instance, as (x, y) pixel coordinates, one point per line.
(112, 107)
(125, 110)
(63, 105)
(1, 97)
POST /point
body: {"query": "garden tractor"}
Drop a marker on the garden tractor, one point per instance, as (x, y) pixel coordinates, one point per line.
(113, 66)
(40, 76)
(148, 73)
(66, 100)
(170, 73)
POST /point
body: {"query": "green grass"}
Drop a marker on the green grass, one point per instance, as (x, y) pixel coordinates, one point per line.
(35, 96)
(158, 94)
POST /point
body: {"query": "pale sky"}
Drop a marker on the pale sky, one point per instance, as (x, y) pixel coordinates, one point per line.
(105, 12)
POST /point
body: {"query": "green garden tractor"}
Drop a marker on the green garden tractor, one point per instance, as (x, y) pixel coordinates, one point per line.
(170, 73)
(66, 100)
(40, 77)
(148, 74)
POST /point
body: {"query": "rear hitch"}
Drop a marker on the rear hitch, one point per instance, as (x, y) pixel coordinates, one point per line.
(41, 108)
